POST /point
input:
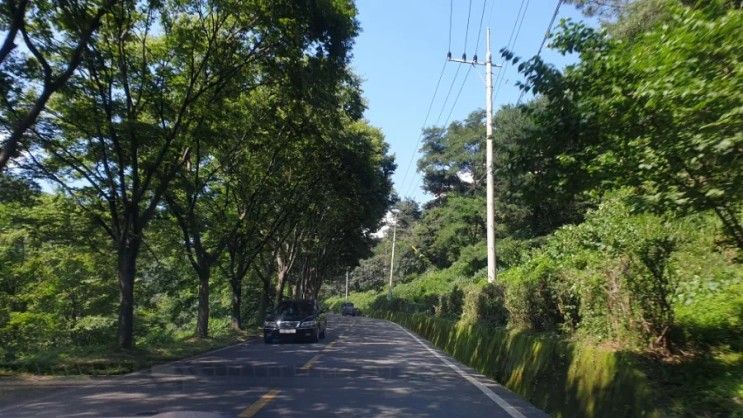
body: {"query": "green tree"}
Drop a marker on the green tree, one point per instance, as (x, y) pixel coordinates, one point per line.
(661, 114)
(55, 36)
(116, 138)
(444, 230)
(453, 159)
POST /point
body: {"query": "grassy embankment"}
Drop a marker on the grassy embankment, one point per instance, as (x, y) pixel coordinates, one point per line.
(574, 378)
(105, 359)
(574, 326)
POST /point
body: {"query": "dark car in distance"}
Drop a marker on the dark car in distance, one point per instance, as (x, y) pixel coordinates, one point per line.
(347, 308)
(295, 319)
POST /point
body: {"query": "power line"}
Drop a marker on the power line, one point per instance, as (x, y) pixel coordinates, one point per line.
(504, 64)
(515, 36)
(515, 22)
(448, 93)
(490, 13)
(453, 83)
(425, 121)
(454, 105)
(479, 29)
(549, 27)
(544, 41)
(467, 31)
(456, 98)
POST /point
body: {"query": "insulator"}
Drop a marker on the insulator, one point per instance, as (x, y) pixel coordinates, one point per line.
(464, 57)
(448, 55)
(474, 58)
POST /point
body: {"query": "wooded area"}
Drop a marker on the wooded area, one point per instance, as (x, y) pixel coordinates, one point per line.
(169, 167)
(619, 200)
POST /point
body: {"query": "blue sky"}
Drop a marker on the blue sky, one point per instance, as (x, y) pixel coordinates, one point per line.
(402, 48)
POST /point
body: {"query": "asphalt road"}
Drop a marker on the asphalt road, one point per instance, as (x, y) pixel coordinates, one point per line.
(365, 367)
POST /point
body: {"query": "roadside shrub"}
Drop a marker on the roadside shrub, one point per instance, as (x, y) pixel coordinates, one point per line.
(471, 259)
(91, 330)
(456, 298)
(219, 326)
(634, 253)
(715, 318)
(511, 252)
(450, 304)
(398, 304)
(485, 304)
(609, 277)
(362, 300)
(442, 307)
(529, 297)
(639, 280)
(28, 332)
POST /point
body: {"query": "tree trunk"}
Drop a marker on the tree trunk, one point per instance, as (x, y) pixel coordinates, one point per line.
(236, 320)
(731, 225)
(282, 271)
(127, 266)
(202, 321)
(281, 276)
(265, 301)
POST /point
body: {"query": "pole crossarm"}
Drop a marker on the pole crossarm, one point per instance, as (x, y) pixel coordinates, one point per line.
(461, 61)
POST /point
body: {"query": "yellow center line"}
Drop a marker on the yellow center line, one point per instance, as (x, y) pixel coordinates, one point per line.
(313, 360)
(259, 404)
(310, 363)
(271, 394)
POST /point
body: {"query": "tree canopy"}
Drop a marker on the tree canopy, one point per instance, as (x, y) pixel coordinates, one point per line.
(209, 145)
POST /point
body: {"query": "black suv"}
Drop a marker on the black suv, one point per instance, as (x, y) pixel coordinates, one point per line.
(347, 308)
(295, 319)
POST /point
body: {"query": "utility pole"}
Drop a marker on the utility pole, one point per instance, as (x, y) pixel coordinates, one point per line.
(346, 284)
(392, 256)
(488, 152)
(489, 161)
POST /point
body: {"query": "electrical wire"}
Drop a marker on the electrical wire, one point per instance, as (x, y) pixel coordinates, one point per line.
(512, 43)
(448, 93)
(479, 29)
(549, 27)
(425, 121)
(467, 31)
(504, 64)
(544, 41)
(515, 22)
(454, 104)
(456, 99)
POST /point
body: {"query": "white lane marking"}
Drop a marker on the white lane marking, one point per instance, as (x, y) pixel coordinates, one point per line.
(515, 413)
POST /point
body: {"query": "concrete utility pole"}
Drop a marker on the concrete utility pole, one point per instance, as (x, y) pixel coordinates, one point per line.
(392, 256)
(488, 153)
(489, 161)
(346, 284)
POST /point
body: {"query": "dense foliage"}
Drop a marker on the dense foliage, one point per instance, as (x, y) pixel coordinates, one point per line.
(200, 161)
(618, 202)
